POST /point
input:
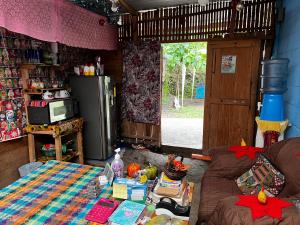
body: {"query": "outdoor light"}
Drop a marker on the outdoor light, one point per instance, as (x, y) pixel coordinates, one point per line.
(240, 6)
(203, 2)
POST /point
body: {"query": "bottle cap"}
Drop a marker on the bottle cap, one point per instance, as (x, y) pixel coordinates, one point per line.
(117, 156)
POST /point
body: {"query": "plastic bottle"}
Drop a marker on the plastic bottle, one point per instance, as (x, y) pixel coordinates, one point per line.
(92, 70)
(117, 164)
(86, 70)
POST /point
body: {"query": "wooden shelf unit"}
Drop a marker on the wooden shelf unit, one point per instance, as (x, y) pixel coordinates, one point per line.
(73, 126)
(65, 158)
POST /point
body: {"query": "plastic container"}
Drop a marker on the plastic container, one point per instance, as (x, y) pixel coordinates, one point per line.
(117, 164)
(273, 108)
(28, 168)
(274, 76)
(49, 150)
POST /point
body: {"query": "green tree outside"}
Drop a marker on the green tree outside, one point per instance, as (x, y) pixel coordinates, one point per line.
(184, 62)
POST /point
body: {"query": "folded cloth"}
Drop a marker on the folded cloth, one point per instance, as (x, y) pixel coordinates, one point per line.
(272, 208)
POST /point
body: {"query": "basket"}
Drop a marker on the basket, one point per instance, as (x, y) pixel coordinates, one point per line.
(173, 174)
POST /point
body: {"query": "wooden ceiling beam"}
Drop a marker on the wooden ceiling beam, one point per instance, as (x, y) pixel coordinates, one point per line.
(128, 7)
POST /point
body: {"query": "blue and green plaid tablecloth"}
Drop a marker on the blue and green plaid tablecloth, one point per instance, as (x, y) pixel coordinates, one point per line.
(52, 194)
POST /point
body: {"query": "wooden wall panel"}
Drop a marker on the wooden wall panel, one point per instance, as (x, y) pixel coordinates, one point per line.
(141, 131)
(113, 64)
(13, 154)
(201, 23)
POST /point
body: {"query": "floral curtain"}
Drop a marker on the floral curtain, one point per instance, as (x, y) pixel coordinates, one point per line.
(141, 82)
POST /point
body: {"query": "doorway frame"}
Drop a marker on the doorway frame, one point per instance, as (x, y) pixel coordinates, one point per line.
(169, 148)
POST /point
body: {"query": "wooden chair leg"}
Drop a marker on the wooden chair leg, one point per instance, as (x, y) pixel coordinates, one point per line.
(58, 148)
(31, 148)
(79, 147)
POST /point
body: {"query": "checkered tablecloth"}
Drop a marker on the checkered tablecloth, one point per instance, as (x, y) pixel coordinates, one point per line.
(52, 194)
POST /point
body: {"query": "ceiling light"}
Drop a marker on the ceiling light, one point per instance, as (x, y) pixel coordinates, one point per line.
(240, 6)
(203, 2)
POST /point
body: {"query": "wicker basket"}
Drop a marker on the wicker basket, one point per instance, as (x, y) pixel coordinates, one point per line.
(173, 174)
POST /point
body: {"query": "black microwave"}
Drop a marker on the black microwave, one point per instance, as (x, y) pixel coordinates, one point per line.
(53, 112)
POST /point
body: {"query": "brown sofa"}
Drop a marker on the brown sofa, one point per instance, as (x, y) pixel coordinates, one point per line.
(219, 190)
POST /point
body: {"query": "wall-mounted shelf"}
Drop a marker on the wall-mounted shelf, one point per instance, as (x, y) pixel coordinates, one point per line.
(40, 91)
(11, 77)
(7, 99)
(10, 66)
(40, 64)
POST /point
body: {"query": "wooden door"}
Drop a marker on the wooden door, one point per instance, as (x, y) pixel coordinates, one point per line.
(231, 91)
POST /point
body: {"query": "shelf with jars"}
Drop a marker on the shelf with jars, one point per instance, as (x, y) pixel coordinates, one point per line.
(19, 53)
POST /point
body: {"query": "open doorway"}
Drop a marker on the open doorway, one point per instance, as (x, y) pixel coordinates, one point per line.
(183, 91)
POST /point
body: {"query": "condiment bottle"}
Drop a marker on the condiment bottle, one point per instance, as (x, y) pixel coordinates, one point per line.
(86, 70)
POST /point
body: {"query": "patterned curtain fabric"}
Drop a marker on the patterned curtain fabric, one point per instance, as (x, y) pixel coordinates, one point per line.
(141, 82)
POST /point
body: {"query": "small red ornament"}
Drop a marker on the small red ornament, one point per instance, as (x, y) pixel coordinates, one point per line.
(101, 22)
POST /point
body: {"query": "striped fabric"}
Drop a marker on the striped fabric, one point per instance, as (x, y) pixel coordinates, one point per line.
(52, 194)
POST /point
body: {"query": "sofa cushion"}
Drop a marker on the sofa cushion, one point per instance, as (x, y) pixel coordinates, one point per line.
(212, 190)
(227, 213)
(262, 172)
(284, 156)
(225, 164)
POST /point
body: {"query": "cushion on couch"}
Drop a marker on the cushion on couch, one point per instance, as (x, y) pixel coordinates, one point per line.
(227, 213)
(284, 156)
(262, 172)
(212, 190)
(219, 182)
(225, 164)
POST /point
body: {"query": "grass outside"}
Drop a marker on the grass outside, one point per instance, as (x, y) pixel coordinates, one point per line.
(192, 108)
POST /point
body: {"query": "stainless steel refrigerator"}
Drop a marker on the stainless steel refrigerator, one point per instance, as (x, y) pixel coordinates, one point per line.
(97, 105)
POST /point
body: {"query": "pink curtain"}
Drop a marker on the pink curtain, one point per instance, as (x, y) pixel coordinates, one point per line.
(58, 21)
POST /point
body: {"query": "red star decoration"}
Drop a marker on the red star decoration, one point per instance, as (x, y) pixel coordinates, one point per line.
(249, 151)
(272, 208)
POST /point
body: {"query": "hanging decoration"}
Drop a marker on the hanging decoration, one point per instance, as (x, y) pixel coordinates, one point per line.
(108, 8)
